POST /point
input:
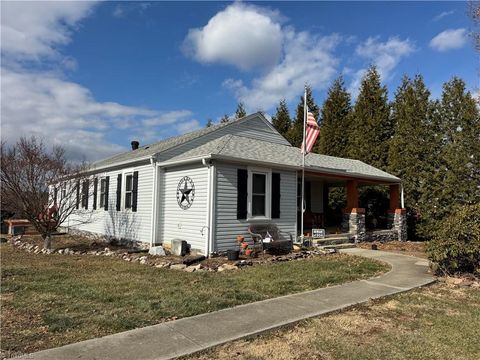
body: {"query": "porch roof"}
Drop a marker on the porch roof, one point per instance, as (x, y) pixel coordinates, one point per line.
(243, 149)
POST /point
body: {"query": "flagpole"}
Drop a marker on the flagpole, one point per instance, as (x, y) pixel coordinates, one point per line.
(303, 162)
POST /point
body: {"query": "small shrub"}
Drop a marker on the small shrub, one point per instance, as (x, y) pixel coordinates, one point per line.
(455, 246)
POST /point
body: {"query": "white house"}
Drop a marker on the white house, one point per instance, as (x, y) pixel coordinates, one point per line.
(207, 186)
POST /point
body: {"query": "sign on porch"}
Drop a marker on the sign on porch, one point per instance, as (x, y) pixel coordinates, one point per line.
(318, 233)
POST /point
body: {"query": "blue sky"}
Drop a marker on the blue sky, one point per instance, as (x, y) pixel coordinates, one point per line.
(94, 76)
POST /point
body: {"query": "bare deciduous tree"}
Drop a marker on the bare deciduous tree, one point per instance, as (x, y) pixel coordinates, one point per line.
(41, 186)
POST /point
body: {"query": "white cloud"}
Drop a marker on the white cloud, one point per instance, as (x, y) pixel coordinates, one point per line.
(118, 12)
(66, 114)
(34, 29)
(47, 105)
(242, 35)
(384, 55)
(167, 118)
(307, 59)
(443, 14)
(188, 126)
(449, 39)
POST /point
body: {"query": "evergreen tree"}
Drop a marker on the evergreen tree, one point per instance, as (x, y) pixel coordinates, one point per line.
(335, 125)
(412, 146)
(371, 125)
(240, 112)
(295, 133)
(281, 120)
(209, 123)
(409, 146)
(461, 152)
(224, 119)
(456, 178)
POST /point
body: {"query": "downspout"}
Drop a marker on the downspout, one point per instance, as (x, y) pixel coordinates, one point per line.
(153, 233)
(210, 194)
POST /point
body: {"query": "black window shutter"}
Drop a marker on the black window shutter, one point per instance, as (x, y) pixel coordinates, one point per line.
(119, 191)
(134, 191)
(55, 195)
(107, 187)
(275, 195)
(242, 178)
(86, 193)
(95, 185)
(77, 205)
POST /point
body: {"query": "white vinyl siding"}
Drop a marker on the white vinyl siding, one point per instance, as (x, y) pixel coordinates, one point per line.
(120, 224)
(228, 226)
(175, 222)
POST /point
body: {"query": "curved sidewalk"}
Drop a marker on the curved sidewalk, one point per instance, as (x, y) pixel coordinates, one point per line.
(189, 335)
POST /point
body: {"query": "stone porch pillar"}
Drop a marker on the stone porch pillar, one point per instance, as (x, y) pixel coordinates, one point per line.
(353, 216)
(356, 224)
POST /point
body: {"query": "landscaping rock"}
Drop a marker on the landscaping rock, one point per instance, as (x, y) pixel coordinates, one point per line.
(178, 266)
(190, 269)
(224, 267)
(157, 251)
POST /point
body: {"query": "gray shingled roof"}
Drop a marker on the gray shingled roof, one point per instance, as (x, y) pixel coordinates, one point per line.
(151, 149)
(249, 150)
(257, 151)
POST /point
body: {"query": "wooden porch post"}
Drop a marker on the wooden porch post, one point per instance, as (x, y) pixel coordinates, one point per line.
(352, 194)
(394, 197)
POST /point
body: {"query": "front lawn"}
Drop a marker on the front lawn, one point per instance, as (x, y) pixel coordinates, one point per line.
(53, 300)
(437, 322)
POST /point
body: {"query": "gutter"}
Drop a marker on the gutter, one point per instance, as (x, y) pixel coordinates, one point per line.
(328, 171)
(143, 158)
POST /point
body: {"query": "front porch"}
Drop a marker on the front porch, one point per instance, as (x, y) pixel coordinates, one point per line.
(355, 209)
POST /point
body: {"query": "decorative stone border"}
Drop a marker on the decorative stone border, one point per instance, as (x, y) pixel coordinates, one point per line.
(160, 262)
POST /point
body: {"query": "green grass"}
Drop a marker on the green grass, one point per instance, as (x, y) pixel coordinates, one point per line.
(437, 322)
(52, 300)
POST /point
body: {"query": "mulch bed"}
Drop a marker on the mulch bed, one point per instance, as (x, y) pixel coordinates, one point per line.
(415, 248)
(78, 245)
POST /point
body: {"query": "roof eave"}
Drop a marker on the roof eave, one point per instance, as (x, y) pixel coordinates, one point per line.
(327, 171)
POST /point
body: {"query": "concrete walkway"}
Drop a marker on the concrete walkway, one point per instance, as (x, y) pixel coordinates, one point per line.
(189, 335)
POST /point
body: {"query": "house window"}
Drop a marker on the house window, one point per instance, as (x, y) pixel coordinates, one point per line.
(259, 194)
(128, 191)
(103, 192)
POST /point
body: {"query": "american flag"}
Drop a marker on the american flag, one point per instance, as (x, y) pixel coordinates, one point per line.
(311, 133)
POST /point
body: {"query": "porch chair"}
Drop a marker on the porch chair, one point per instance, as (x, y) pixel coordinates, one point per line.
(277, 244)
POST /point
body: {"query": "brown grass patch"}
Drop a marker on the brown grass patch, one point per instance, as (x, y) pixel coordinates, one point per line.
(437, 322)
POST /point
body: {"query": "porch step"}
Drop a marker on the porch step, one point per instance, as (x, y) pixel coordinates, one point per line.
(333, 240)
